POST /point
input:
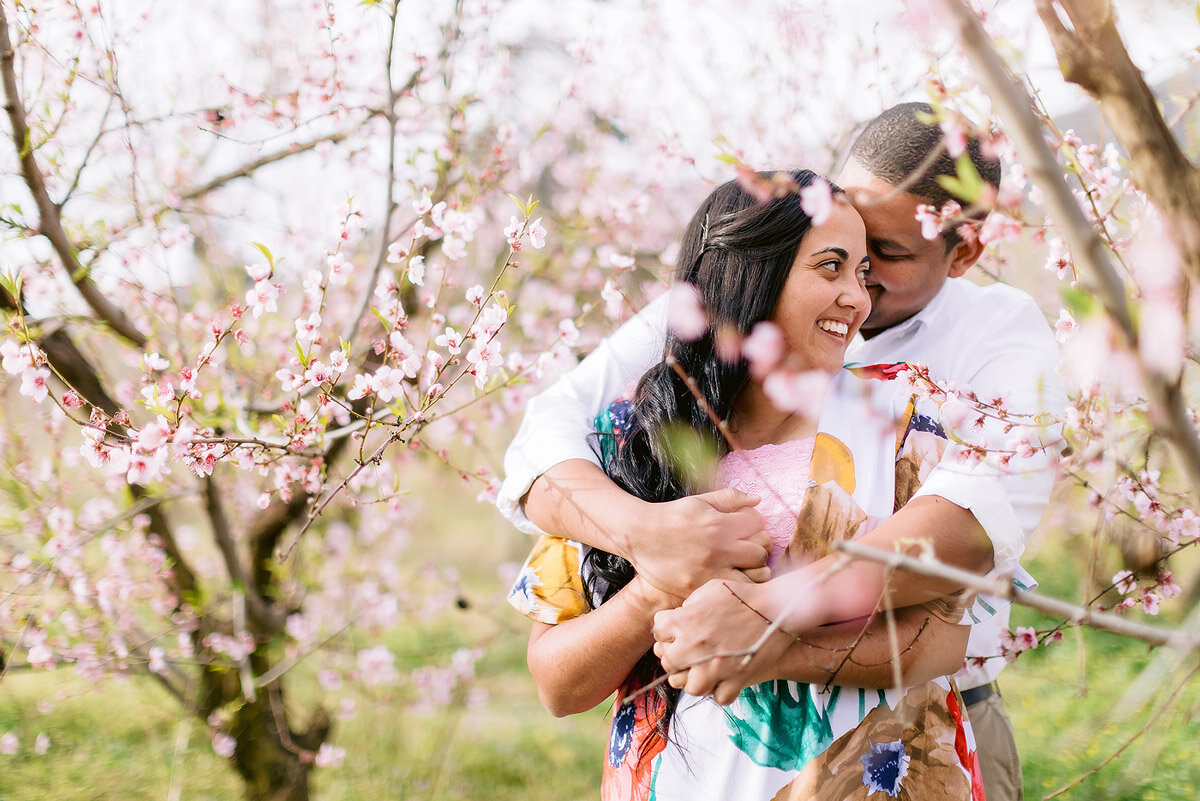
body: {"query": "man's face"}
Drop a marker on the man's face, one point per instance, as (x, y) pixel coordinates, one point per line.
(907, 270)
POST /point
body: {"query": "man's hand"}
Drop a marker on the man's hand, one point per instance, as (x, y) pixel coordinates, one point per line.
(685, 543)
(719, 617)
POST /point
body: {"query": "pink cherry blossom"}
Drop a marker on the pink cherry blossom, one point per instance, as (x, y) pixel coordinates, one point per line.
(397, 252)
(416, 270)
(931, 222)
(377, 666)
(263, 297)
(33, 384)
(685, 316)
(329, 756)
(955, 137)
(18, 358)
(763, 348)
(339, 269)
(451, 340)
(1064, 325)
(9, 744)
(154, 435)
(816, 200)
(258, 271)
(801, 393)
(308, 328)
(537, 234)
(568, 332)
(223, 745)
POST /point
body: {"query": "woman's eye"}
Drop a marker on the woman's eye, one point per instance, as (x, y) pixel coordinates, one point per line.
(833, 265)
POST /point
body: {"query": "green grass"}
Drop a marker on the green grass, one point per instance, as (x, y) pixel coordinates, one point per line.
(123, 741)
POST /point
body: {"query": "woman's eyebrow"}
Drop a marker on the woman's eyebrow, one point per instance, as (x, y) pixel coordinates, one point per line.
(845, 254)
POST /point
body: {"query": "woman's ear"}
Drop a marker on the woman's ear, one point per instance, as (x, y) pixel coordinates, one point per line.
(964, 255)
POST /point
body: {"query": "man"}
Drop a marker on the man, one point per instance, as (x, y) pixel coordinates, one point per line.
(993, 340)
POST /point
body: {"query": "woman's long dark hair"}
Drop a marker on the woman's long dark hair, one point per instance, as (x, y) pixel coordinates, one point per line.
(737, 252)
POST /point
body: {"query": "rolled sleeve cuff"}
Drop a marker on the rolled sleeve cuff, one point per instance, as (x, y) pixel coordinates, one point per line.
(985, 497)
(523, 468)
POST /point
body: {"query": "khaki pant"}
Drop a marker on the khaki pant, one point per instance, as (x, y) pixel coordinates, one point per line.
(996, 749)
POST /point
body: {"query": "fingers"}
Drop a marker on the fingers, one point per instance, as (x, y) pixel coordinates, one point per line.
(729, 499)
(664, 628)
(752, 552)
(758, 575)
(726, 692)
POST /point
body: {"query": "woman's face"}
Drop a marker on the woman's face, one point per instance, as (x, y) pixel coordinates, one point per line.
(825, 299)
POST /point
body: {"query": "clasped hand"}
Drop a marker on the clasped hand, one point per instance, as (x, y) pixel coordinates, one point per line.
(706, 644)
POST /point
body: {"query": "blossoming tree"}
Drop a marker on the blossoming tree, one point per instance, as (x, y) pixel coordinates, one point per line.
(251, 291)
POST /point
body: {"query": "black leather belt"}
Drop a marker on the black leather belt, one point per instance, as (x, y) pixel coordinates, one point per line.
(976, 694)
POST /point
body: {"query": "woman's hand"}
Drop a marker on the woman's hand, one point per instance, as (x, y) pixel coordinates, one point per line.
(704, 644)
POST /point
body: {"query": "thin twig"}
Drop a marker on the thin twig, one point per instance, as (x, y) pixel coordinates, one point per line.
(1173, 638)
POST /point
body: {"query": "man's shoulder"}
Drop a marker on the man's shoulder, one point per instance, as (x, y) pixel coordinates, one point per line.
(968, 297)
(972, 311)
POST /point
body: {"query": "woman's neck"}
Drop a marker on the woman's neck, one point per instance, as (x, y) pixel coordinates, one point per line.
(756, 420)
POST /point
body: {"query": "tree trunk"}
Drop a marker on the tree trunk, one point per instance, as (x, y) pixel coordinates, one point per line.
(274, 764)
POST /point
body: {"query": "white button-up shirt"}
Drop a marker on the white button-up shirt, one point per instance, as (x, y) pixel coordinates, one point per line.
(993, 340)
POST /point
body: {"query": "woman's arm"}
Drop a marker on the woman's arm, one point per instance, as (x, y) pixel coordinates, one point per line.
(580, 662)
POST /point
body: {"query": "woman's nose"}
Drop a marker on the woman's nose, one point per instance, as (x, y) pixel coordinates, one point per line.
(854, 294)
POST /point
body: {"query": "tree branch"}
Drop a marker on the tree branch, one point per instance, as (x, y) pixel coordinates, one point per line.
(249, 168)
(50, 223)
(264, 615)
(1180, 640)
(1095, 58)
(1020, 123)
(1168, 407)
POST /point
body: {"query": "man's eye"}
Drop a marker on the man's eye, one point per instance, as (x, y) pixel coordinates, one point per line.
(892, 256)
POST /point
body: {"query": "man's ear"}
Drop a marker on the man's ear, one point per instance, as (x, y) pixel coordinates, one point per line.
(964, 255)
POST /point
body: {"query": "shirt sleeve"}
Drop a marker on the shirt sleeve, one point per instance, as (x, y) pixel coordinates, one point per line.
(549, 588)
(559, 421)
(1008, 491)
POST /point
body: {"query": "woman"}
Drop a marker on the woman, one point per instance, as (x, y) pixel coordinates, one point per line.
(751, 262)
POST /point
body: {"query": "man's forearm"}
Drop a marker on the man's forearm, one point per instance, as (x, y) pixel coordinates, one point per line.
(846, 654)
(831, 594)
(577, 500)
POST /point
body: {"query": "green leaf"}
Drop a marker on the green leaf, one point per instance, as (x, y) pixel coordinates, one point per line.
(728, 158)
(266, 251)
(1078, 302)
(387, 324)
(692, 455)
(968, 186)
(12, 284)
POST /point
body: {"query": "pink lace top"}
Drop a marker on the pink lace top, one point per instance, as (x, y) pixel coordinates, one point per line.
(778, 474)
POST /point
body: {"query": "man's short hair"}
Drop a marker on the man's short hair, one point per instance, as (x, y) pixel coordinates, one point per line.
(896, 145)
